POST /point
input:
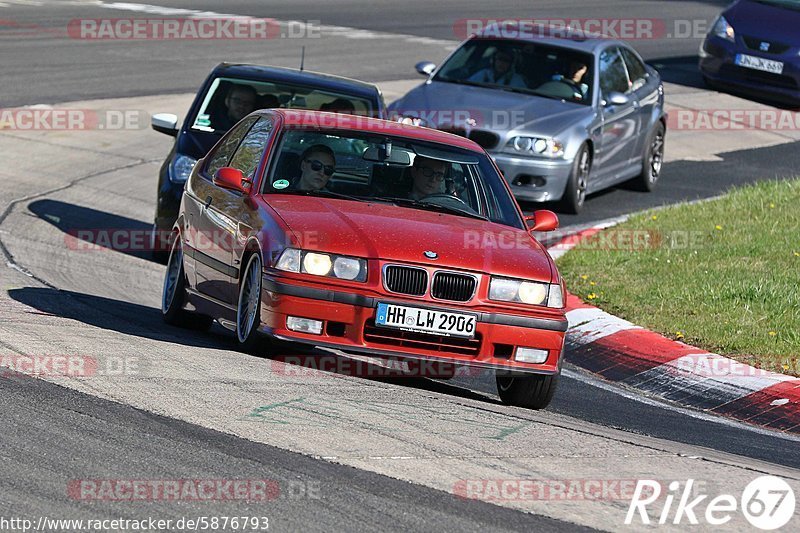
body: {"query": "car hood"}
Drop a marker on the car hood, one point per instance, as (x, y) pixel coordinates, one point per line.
(763, 21)
(387, 232)
(444, 104)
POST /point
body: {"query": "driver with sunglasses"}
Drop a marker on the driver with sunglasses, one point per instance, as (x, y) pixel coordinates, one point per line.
(428, 177)
(317, 165)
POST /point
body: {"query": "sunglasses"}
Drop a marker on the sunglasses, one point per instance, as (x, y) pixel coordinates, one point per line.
(428, 172)
(317, 165)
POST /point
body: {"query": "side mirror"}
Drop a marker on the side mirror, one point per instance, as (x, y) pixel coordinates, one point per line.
(232, 179)
(425, 68)
(616, 98)
(542, 220)
(165, 123)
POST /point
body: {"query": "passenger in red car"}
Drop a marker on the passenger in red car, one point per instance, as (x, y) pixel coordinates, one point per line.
(428, 176)
(317, 165)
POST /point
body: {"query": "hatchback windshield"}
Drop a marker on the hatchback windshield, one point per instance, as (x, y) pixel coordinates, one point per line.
(370, 167)
(519, 66)
(229, 100)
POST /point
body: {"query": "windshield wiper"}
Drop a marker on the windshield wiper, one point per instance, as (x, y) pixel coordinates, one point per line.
(407, 202)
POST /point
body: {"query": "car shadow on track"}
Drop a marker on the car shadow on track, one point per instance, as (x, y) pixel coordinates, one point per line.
(305, 360)
(141, 321)
(115, 315)
(86, 228)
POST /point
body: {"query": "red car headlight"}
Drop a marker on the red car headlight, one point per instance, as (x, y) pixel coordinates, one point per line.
(322, 264)
(526, 292)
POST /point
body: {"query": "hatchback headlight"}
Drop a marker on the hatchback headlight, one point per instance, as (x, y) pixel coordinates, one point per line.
(322, 264)
(526, 292)
(723, 29)
(180, 168)
(535, 146)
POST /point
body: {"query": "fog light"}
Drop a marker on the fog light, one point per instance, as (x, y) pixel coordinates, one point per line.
(304, 325)
(531, 355)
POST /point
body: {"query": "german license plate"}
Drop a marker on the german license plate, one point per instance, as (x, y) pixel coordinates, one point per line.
(759, 63)
(431, 321)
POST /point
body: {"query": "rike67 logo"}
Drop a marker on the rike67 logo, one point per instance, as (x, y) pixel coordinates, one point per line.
(768, 503)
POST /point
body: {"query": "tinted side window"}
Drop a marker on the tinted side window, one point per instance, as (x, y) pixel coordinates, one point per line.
(223, 153)
(252, 147)
(613, 76)
(636, 68)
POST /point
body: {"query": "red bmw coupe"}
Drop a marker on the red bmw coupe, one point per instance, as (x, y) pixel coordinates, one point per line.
(359, 235)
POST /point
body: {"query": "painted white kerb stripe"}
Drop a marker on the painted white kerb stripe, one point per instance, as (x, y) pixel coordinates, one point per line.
(587, 325)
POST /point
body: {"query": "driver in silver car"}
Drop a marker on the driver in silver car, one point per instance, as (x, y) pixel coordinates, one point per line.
(500, 71)
(576, 77)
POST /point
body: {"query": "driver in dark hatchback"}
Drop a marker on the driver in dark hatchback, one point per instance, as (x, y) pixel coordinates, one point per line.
(240, 102)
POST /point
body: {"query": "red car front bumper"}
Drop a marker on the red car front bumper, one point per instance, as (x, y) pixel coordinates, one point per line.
(349, 326)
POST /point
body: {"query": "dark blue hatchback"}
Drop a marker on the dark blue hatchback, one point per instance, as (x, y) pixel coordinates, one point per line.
(230, 93)
(754, 48)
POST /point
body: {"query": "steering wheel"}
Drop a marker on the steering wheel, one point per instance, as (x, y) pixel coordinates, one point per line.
(444, 196)
(562, 88)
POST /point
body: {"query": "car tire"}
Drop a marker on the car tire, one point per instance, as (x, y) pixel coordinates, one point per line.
(173, 294)
(248, 305)
(531, 392)
(652, 159)
(575, 193)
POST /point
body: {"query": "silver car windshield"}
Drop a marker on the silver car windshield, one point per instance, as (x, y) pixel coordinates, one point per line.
(520, 66)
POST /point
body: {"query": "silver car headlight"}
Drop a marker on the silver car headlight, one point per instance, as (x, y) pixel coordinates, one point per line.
(723, 29)
(535, 146)
(322, 264)
(180, 168)
(526, 292)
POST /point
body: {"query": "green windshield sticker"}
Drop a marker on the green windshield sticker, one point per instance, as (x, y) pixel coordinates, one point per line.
(203, 120)
(280, 184)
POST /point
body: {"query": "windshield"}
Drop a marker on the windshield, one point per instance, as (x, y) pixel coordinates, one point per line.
(229, 100)
(534, 68)
(370, 167)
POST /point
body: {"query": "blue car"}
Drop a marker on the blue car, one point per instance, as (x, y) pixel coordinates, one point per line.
(754, 48)
(231, 92)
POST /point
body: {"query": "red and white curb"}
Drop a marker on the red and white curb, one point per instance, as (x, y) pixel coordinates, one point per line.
(622, 352)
